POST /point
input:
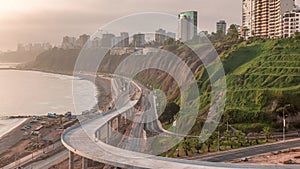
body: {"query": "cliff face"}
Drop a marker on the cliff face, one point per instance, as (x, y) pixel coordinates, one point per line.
(19, 56)
(261, 76)
(55, 60)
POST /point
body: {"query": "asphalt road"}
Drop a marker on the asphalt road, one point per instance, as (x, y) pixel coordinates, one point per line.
(25, 160)
(251, 151)
(48, 162)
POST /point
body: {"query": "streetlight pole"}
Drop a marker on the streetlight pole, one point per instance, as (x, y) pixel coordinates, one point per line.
(218, 139)
(284, 121)
(283, 126)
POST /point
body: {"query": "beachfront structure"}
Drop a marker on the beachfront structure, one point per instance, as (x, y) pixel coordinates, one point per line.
(187, 25)
(264, 18)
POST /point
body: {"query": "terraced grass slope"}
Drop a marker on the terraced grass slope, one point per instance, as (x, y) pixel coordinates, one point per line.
(261, 77)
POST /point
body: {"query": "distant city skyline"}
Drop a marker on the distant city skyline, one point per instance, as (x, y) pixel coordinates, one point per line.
(33, 21)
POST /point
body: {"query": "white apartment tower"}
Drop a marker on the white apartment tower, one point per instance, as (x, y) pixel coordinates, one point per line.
(187, 25)
(291, 23)
(264, 18)
(248, 19)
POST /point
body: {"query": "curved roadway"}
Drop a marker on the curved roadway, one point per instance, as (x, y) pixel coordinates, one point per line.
(78, 140)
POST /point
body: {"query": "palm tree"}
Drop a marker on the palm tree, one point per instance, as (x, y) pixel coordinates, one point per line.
(267, 133)
(186, 146)
(197, 144)
(208, 143)
(232, 34)
(240, 137)
(210, 140)
(231, 140)
(227, 135)
(256, 138)
(198, 147)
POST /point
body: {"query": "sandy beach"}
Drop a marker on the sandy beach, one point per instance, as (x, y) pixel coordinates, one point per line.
(7, 125)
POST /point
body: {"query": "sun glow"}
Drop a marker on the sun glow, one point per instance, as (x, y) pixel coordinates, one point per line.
(13, 5)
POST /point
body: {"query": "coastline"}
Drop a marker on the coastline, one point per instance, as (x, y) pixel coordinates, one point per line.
(103, 100)
(10, 124)
(103, 90)
(102, 86)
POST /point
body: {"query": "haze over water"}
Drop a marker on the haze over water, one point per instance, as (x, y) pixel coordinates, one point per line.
(37, 93)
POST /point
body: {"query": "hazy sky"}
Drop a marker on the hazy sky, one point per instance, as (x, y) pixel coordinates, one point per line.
(49, 20)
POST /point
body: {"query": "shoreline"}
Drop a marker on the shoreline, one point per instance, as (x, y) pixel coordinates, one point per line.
(95, 80)
(9, 125)
(102, 99)
(12, 134)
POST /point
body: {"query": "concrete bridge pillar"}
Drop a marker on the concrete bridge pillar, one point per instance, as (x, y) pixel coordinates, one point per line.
(109, 128)
(97, 135)
(115, 123)
(84, 163)
(119, 124)
(129, 112)
(108, 131)
(71, 160)
(125, 118)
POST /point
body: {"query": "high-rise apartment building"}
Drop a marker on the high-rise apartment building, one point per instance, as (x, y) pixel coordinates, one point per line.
(124, 39)
(116, 42)
(107, 40)
(291, 23)
(264, 18)
(187, 25)
(160, 36)
(139, 40)
(221, 26)
(248, 18)
(121, 41)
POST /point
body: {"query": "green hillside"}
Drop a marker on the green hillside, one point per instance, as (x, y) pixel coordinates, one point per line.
(261, 77)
